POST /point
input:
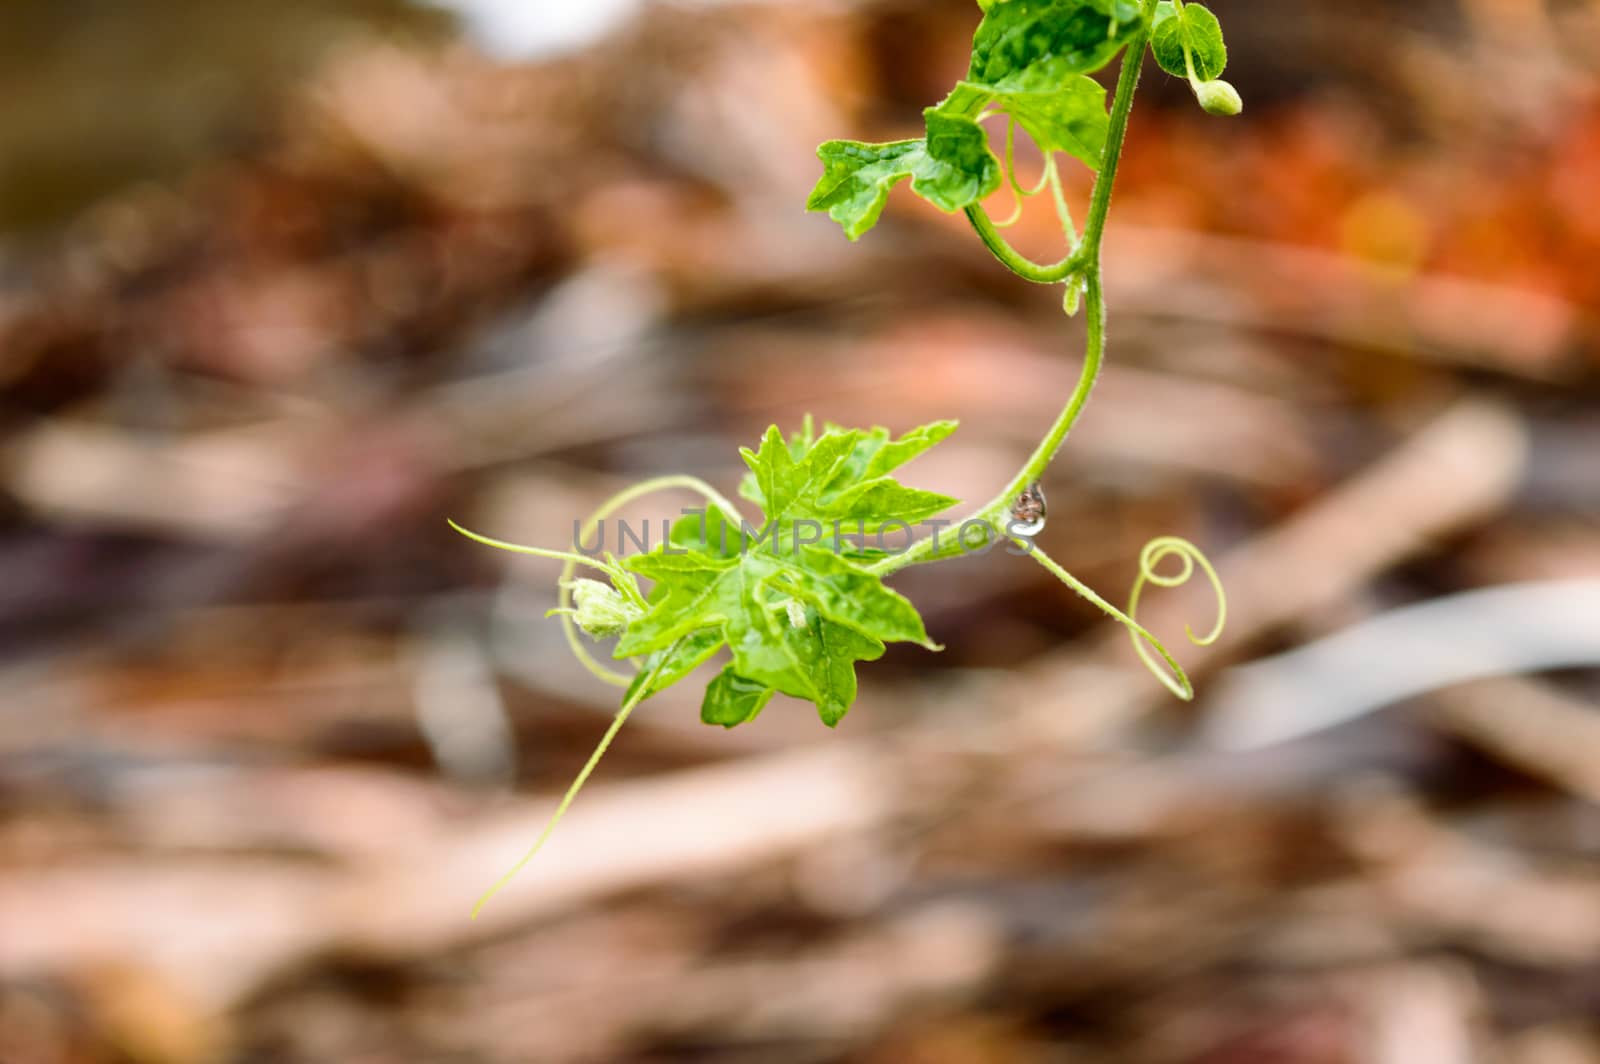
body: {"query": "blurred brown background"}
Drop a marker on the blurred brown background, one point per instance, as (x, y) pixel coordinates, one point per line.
(283, 286)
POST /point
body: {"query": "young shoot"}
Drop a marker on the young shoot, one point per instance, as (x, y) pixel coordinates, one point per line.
(797, 597)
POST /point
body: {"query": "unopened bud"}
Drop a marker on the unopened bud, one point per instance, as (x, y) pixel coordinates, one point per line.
(601, 609)
(1218, 98)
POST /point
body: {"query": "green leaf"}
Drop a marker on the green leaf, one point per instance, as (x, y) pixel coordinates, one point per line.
(709, 532)
(857, 177)
(790, 474)
(890, 455)
(796, 616)
(740, 593)
(828, 654)
(951, 168)
(1067, 116)
(842, 478)
(732, 700)
(849, 596)
(684, 599)
(816, 661)
(880, 503)
(695, 650)
(963, 169)
(791, 623)
(1073, 118)
(1194, 29)
(1048, 41)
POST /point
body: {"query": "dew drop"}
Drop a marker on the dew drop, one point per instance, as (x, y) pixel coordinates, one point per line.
(1028, 512)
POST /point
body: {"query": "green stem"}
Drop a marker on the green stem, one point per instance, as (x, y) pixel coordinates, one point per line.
(996, 512)
(1016, 261)
(1084, 261)
(1121, 108)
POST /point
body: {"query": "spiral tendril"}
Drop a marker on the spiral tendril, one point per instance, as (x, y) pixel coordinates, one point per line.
(1172, 676)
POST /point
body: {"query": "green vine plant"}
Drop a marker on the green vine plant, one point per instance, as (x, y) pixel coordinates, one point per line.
(797, 609)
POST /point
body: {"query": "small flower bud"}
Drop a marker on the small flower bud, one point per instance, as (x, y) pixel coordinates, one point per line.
(1072, 298)
(601, 609)
(1218, 98)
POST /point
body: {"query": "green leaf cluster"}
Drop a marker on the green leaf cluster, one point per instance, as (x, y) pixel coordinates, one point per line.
(795, 609)
(1031, 61)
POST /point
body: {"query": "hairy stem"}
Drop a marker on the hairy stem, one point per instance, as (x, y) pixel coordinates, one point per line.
(1121, 107)
(1016, 261)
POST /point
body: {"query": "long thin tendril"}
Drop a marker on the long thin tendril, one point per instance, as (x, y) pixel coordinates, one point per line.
(572, 559)
(1176, 681)
(617, 722)
(1063, 212)
(623, 581)
(1173, 676)
(1018, 193)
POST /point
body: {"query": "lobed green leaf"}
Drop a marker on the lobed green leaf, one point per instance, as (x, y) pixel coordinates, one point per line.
(1046, 42)
(853, 598)
(952, 168)
(880, 503)
(709, 532)
(732, 700)
(841, 478)
(885, 455)
(1068, 116)
(691, 653)
(857, 177)
(828, 654)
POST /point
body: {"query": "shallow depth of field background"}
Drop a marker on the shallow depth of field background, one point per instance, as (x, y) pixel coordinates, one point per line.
(283, 286)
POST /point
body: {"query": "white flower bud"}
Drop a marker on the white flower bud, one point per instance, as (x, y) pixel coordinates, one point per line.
(601, 609)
